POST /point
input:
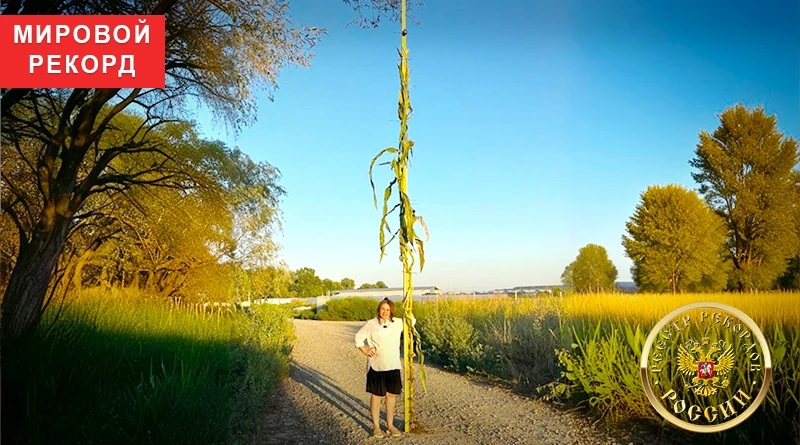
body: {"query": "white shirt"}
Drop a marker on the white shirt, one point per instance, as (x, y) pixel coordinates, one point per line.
(385, 340)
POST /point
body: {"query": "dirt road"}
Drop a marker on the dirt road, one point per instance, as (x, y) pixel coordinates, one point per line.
(324, 402)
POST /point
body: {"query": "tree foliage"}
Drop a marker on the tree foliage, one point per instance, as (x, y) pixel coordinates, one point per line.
(182, 240)
(791, 277)
(348, 283)
(676, 242)
(372, 12)
(218, 52)
(308, 284)
(745, 171)
(377, 285)
(592, 271)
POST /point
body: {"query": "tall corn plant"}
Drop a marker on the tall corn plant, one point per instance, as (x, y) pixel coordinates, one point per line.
(408, 239)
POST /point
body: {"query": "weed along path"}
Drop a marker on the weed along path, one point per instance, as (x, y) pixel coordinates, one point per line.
(324, 402)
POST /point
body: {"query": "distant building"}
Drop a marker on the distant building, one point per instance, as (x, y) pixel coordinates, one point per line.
(392, 293)
(528, 290)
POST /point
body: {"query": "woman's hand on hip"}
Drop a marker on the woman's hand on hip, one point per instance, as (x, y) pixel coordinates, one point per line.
(369, 352)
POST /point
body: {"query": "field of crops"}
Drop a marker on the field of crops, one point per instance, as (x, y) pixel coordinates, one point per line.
(584, 350)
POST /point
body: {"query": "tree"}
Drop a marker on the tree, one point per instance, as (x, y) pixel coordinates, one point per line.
(307, 283)
(348, 283)
(217, 51)
(214, 51)
(592, 271)
(172, 240)
(329, 285)
(371, 12)
(378, 285)
(745, 172)
(791, 277)
(273, 281)
(676, 242)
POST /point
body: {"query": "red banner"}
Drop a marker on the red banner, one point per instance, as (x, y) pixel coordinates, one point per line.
(82, 51)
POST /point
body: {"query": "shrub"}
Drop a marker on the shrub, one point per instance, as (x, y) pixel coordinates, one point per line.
(448, 338)
(354, 309)
(307, 314)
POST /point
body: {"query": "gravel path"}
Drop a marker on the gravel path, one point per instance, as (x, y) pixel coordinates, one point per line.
(324, 402)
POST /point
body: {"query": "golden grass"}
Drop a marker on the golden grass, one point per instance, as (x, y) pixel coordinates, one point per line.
(763, 307)
(585, 350)
(645, 309)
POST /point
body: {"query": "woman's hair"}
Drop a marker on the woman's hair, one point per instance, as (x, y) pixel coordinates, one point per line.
(391, 308)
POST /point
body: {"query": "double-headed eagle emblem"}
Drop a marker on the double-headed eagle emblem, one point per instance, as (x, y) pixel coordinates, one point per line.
(709, 362)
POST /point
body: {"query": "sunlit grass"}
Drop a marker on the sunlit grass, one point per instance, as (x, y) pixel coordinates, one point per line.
(125, 369)
(585, 349)
(764, 308)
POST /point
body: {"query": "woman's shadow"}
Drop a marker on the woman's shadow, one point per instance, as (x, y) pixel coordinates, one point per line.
(325, 387)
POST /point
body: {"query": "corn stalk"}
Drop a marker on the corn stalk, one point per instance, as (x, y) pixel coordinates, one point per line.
(408, 239)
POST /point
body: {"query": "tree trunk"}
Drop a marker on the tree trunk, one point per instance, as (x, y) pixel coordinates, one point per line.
(30, 279)
(135, 280)
(104, 281)
(150, 282)
(5, 269)
(77, 276)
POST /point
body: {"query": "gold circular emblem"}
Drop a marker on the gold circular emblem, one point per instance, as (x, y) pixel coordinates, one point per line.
(706, 367)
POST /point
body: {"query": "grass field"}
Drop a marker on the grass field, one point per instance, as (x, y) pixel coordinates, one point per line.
(124, 369)
(584, 350)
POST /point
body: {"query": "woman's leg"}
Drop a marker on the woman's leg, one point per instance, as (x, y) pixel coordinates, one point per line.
(375, 409)
(391, 401)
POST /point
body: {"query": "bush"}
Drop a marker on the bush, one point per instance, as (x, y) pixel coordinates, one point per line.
(449, 339)
(354, 309)
(307, 314)
(602, 368)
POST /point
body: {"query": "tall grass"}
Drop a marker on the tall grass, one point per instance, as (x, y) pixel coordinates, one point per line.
(127, 369)
(763, 307)
(585, 350)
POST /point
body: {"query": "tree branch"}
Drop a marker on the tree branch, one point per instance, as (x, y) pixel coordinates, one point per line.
(9, 209)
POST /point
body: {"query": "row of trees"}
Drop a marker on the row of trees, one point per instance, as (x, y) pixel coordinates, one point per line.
(740, 230)
(196, 235)
(306, 283)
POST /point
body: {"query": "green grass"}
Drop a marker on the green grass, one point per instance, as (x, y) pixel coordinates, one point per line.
(125, 369)
(584, 352)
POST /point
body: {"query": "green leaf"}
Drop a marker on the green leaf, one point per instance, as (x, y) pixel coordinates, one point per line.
(778, 353)
(421, 250)
(371, 165)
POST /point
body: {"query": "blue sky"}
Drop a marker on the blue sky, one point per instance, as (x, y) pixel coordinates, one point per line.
(537, 126)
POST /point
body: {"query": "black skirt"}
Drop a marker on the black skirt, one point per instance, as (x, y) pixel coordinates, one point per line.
(381, 382)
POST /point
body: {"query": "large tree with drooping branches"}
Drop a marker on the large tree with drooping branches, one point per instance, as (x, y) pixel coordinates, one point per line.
(220, 53)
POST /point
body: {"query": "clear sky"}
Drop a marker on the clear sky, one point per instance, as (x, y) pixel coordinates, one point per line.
(537, 125)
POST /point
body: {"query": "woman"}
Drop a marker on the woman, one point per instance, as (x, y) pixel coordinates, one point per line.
(379, 339)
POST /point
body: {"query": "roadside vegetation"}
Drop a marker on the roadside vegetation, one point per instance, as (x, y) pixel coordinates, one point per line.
(583, 351)
(123, 367)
